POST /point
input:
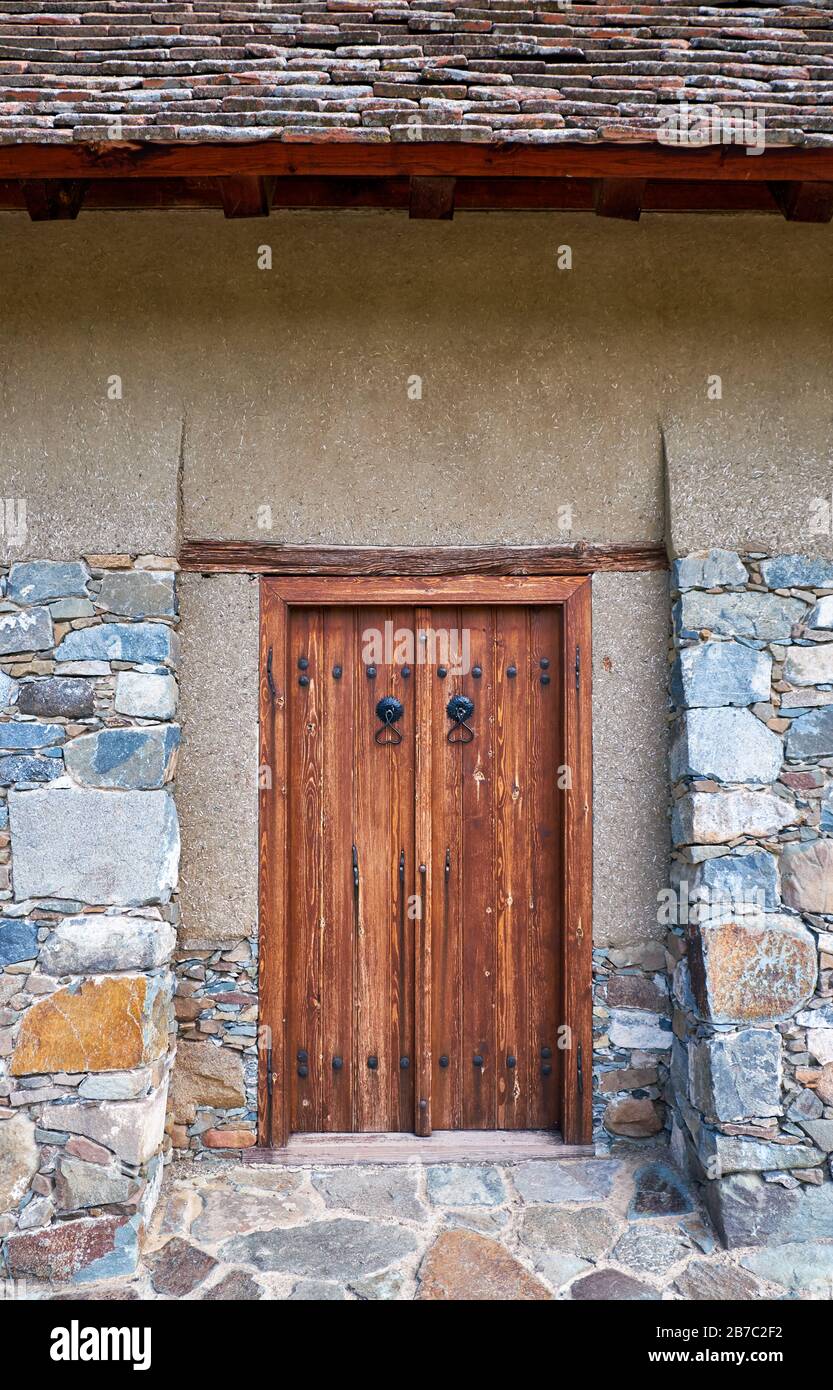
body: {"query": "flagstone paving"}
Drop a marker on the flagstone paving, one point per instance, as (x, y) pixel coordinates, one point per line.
(625, 1227)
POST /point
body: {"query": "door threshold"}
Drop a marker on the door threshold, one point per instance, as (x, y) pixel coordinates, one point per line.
(443, 1146)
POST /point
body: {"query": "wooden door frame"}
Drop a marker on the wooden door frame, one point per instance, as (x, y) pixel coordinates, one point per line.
(277, 595)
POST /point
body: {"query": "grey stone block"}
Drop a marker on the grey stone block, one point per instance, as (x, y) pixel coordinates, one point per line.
(139, 642)
(96, 847)
(138, 593)
(748, 1211)
(729, 745)
(67, 696)
(100, 943)
(710, 569)
(136, 759)
(720, 673)
(798, 572)
(145, 695)
(30, 631)
(33, 581)
(768, 617)
(737, 1076)
(811, 735)
(738, 882)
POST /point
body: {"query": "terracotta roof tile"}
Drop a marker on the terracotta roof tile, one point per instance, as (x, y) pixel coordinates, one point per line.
(378, 70)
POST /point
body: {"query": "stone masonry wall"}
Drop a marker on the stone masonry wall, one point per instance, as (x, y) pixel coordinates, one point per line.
(89, 849)
(750, 911)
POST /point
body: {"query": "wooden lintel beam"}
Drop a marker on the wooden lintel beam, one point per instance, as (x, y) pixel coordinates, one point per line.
(53, 200)
(246, 195)
(432, 199)
(621, 198)
(804, 202)
(405, 159)
(257, 557)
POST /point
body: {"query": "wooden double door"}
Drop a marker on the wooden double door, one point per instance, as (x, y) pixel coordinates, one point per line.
(422, 807)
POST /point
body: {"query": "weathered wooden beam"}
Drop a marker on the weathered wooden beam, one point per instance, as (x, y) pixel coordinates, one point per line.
(420, 159)
(256, 557)
(486, 194)
(621, 198)
(246, 195)
(53, 200)
(804, 202)
(432, 199)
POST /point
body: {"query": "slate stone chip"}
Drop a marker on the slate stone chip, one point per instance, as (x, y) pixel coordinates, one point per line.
(179, 1267)
(337, 1249)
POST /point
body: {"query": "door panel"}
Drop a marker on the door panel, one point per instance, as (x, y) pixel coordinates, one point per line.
(491, 808)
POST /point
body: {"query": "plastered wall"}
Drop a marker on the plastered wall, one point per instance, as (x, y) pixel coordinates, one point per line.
(155, 379)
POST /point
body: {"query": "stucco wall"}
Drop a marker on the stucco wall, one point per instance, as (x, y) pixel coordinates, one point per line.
(288, 388)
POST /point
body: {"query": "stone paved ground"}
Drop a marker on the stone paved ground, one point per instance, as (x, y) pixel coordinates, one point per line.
(624, 1227)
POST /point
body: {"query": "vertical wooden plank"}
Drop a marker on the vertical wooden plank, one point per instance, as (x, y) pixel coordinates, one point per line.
(401, 839)
(337, 982)
(446, 899)
(546, 756)
(273, 1108)
(479, 959)
(423, 675)
(372, 1084)
(305, 847)
(577, 1008)
(512, 886)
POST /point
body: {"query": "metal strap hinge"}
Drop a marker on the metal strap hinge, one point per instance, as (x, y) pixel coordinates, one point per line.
(269, 677)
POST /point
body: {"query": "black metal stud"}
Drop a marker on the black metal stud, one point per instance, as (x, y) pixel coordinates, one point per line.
(511, 1061)
(404, 1063)
(373, 1063)
(546, 1053)
(511, 672)
(303, 663)
(478, 1060)
(302, 1055)
(544, 663)
(477, 672)
(371, 672)
(337, 1064)
(303, 680)
(545, 680)
(443, 1061)
(442, 672)
(546, 1069)
(303, 1069)
(336, 673)
(406, 671)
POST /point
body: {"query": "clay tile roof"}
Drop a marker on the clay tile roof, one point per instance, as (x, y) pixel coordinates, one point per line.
(383, 70)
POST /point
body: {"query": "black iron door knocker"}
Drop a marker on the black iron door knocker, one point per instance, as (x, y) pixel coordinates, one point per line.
(460, 708)
(389, 711)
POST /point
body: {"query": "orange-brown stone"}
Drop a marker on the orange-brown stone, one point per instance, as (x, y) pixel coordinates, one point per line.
(229, 1139)
(463, 1266)
(108, 1024)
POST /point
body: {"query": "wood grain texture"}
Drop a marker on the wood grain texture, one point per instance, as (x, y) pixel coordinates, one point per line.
(471, 194)
(273, 1112)
(306, 869)
(252, 557)
(547, 756)
(423, 1119)
(338, 963)
(498, 160)
(500, 960)
(577, 1008)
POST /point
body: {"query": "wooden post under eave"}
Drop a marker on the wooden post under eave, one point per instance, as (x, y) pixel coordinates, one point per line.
(619, 198)
(432, 199)
(804, 202)
(53, 200)
(246, 195)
